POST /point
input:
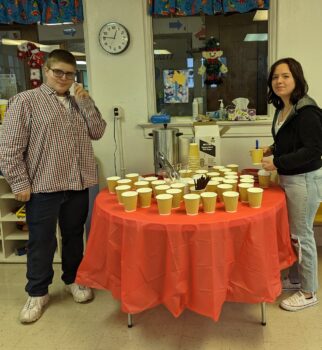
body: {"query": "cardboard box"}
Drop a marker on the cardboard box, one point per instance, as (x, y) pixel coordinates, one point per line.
(208, 138)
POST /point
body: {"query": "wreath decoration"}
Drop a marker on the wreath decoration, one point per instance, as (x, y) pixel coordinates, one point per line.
(35, 59)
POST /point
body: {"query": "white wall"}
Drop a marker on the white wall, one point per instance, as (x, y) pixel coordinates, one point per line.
(127, 79)
(299, 27)
(120, 80)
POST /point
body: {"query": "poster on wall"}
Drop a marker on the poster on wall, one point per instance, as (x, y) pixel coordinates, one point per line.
(176, 86)
(8, 85)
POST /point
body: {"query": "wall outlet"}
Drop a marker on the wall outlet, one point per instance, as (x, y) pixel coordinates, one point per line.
(118, 112)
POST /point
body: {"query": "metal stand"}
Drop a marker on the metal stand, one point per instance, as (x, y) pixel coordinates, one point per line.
(129, 321)
(263, 310)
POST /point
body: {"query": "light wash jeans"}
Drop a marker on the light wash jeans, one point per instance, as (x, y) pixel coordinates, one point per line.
(303, 196)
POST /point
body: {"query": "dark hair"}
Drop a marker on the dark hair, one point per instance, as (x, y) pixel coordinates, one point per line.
(301, 86)
(60, 55)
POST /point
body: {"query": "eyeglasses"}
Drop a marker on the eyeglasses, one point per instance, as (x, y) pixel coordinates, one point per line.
(60, 73)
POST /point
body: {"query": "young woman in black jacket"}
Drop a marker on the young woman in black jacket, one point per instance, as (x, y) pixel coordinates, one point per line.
(297, 151)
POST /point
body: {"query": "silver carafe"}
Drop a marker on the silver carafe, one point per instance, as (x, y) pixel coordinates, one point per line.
(165, 147)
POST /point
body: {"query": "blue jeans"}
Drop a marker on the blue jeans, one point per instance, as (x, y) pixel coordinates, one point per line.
(303, 196)
(43, 211)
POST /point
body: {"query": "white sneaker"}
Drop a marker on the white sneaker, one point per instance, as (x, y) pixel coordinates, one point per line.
(33, 308)
(288, 285)
(79, 293)
(298, 301)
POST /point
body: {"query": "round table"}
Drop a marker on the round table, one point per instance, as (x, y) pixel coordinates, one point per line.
(195, 262)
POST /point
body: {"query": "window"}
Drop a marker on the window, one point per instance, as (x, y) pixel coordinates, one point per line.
(179, 43)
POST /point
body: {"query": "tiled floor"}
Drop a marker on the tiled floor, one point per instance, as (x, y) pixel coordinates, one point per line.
(100, 325)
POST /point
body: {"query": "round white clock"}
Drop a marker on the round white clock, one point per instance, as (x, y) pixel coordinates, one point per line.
(114, 38)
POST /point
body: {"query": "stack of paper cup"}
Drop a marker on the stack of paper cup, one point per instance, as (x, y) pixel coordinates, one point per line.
(194, 157)
(264, 178)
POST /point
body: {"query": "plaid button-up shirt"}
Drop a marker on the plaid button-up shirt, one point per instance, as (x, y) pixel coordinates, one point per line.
(46, 146)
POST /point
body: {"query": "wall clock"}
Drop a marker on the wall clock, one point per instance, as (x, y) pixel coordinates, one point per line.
(114, 38)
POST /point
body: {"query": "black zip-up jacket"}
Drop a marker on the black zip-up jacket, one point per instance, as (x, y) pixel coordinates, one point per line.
(297, 147)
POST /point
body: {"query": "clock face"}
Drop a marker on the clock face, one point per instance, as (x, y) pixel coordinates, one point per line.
(114, 38)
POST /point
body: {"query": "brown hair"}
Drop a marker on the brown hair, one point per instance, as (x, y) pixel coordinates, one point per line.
(301, 86)
(60, 55)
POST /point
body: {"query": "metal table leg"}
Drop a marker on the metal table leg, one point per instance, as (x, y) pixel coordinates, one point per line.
(263, 310)
(129, 321)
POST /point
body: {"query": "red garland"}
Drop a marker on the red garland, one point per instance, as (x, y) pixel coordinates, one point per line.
(35, 57)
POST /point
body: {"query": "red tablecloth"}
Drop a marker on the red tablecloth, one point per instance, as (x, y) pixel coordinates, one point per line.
(194, 262)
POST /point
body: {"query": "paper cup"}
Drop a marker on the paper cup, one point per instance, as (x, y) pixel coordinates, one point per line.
(193, 150)
(213, 174)
(164, 203)
(219, 179)
(218, 167)
(185, 173)
(209, 200)
(124, 182)
(144, 197)
(150, 179)
(264, 178)
(255, 196)
(161, 189)
(191, 202)
(179, 185)
(212, 186)
(177, 197)
(231, 201)
(141, 184)
(130, 200)
(232, 182)
(246, 176)
(111, 183)
(247, 181)
(233, 167)
(243, 194)
(231, 177)
(193, 190)
(134, 177)
(119, 190)
(257, 156)
(201, 172)
(222, 188)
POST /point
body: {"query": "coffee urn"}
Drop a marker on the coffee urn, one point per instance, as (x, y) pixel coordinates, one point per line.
(166, 143)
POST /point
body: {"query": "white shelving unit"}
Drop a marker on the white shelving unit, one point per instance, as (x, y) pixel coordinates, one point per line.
(11, 237)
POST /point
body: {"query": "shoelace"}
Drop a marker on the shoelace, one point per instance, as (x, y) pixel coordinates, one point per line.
(30, 303)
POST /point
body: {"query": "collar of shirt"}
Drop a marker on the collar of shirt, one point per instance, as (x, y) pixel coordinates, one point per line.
(47, 89)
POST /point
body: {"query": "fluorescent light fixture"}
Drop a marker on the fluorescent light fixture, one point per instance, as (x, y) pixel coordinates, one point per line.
(5, 41)
(42, 47)
(56, 24)
(161, 52)
(256, 37)
(81, 62)
(261, 15)
(76, 53)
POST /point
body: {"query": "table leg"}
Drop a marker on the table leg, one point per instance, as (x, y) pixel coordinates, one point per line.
(129, 321)
(263, 310)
